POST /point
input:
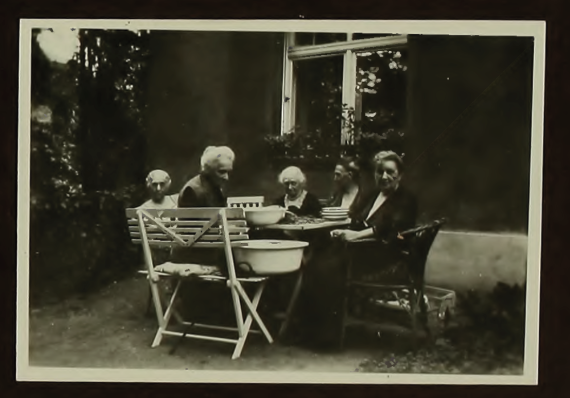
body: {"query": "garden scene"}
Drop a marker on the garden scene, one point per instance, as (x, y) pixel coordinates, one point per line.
(92, 106)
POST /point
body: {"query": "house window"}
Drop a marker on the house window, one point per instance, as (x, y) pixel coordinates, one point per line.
(341, 85)
(318, 105)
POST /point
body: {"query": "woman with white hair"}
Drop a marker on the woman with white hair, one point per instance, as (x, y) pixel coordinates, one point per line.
(207, 188)
(381, 214)
(206, 303)
(296, 198)
(158, 182)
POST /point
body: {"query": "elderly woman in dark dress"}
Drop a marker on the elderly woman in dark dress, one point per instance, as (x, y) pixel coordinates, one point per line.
(382, 214)
(206, 302)
(296, 198)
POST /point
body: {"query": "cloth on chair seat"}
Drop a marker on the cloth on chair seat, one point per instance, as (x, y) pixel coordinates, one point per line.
(388, 299)
(185, 270)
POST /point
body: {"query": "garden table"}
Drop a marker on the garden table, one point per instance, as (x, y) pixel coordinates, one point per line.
(296, 229)
(309, 226)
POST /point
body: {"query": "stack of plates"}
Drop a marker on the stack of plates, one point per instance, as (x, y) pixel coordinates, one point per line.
(334, 213)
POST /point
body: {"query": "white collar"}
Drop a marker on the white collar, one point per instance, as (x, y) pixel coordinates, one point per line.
(297, 202)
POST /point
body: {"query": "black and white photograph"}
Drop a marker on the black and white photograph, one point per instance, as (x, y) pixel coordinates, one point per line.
(275, 201)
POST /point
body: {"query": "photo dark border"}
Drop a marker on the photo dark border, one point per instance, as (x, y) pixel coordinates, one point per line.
(555, 311)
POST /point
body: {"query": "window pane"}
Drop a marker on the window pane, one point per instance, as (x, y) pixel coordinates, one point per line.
(308, 39)
(358, 36)
(304, 39)
(381, 95)
(318, 100)
(323, 38)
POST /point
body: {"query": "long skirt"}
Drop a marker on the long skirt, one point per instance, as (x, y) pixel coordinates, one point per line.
(325, 287)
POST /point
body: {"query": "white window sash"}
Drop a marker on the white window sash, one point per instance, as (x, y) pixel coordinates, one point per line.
(348, 50)
(288, 91)
(348, 94)
(331, 49)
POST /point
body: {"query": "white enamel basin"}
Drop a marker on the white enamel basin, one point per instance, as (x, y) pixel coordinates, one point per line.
(260, 216)
(269, 257)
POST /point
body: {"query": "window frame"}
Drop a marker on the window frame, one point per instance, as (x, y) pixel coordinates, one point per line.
(348, 49)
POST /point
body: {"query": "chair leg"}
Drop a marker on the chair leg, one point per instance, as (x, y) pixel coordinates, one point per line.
(424, 315)
(344, 318)
(413, 315)
(291, 306)
(248, 322)
(163, 320)
(149, 300)
(253, 312)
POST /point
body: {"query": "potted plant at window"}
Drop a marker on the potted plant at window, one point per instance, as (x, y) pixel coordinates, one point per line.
(315, 149)
(310, 149)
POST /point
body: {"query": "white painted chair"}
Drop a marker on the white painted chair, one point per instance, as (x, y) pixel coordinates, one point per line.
(220, 228)
(246, 201)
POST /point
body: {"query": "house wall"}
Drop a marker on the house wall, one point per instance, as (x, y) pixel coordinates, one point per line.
(465, 261)
(211, 88)
(478, 174)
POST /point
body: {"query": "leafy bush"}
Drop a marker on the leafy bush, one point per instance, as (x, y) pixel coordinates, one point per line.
(493, 320)
(87, 162)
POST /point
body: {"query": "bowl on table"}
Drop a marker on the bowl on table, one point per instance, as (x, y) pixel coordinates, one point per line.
(261, 216)
(269, 257)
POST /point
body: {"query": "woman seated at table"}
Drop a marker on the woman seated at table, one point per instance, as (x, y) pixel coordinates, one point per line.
(302, 203)
(297, 199)
(384, 213)
(346, 179)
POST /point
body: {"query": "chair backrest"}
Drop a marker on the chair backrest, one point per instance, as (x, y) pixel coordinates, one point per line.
(188, 227)
(419, 241)
(198, 227)
(246, 201)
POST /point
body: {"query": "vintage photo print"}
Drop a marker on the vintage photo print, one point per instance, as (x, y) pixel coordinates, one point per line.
(275, 201)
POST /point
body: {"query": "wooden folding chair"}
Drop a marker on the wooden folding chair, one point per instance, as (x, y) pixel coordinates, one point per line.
(246, 201)
(220, 228)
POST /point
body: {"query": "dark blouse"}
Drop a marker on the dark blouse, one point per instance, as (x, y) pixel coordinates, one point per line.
(310, 207)
(336, 199)
(397, 214)
(200, 191)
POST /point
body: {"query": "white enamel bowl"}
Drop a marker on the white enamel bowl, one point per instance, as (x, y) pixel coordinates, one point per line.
(269, 257)
(260, 216)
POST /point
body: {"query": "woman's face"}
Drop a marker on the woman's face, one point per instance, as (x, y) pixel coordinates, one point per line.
(293, 187)
(221, 170)
(387, 175)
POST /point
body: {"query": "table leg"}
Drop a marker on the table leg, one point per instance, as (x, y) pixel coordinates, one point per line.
(292, 304)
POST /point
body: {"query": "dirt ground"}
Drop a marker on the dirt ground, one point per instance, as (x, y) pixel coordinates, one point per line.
(110, 330)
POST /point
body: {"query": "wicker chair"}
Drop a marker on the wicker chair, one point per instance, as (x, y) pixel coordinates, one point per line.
(408, 291)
